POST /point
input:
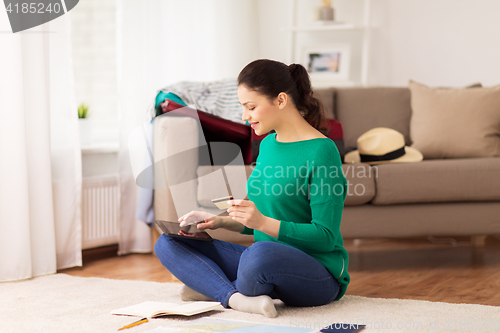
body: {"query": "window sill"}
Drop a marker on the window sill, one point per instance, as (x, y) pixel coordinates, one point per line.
(103, 147)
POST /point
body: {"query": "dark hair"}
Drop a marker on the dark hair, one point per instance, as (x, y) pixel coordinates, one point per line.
(269, 78)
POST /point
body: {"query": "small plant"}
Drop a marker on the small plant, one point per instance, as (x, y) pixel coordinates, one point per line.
(83, 111)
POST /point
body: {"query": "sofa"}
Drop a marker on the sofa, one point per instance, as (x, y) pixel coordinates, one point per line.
(438, 197)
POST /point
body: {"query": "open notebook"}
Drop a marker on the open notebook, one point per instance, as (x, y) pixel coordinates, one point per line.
(151, 309)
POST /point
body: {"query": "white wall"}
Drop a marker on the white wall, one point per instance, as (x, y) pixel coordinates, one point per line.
(93, 33)
(273, 15)
(436, 42)
(188, 40)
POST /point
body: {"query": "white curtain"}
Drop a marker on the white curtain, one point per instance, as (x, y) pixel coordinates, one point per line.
(40, 161)
(161, 42)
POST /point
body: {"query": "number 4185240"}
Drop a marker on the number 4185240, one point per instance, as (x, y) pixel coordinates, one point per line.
(32, 8)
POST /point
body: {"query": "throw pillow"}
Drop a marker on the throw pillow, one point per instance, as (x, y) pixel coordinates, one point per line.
(455, 122)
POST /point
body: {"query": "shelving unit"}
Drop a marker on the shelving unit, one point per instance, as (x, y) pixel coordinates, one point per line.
(336, 28)
(326, 27)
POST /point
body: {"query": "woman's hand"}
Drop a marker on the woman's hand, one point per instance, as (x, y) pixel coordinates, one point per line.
(202, 219)
(245, 212)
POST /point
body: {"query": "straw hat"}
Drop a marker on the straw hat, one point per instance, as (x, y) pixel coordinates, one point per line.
(383, 145)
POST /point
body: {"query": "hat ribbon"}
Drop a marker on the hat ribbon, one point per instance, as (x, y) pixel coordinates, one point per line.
(386, 157)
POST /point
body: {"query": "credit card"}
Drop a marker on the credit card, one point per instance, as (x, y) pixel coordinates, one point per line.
(221, 202)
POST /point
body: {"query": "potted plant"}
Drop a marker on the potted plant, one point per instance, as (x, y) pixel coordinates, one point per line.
(85, 125)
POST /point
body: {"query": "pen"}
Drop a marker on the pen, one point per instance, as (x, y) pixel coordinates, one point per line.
(135, 323)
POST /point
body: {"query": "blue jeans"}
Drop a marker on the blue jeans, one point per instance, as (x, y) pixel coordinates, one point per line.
(218, 269)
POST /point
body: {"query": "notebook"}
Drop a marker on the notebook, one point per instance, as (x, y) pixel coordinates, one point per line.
(151, 309)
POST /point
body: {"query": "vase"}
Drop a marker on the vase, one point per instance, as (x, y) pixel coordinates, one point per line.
(326, 14)
(85, 127)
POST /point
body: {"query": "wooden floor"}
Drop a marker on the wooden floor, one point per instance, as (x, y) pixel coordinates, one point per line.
(439, 269)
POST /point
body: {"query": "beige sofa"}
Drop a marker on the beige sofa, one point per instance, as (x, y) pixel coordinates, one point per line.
(433, 197)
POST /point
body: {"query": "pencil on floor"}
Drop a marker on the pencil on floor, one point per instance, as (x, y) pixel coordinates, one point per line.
(135, 323)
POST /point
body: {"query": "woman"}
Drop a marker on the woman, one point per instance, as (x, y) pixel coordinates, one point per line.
(296, 196)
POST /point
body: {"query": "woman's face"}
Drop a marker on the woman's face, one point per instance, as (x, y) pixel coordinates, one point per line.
(258, 110)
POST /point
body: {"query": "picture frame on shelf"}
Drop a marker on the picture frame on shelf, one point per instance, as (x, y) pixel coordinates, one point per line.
(327, 63)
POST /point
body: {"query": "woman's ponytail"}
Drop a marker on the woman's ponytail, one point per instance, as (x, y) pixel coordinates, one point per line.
(270, 77)
(309, 106)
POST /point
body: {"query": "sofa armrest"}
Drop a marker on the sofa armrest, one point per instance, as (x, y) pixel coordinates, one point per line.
(176, 142)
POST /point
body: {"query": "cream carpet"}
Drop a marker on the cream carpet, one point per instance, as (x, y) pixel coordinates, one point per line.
(63, 303)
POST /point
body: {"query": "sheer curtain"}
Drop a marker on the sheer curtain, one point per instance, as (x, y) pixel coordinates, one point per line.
(161, 42)
(40, 169)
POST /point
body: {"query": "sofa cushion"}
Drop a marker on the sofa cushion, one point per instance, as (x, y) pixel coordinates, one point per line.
(456, 122)
(361, 109)
(360, 184)
(360, 180)
(438, 219)
(448, 180)
(327, 97)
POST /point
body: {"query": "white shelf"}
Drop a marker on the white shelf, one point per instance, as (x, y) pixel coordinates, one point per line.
(104, 147)
(329, 84)
(298, 28)
(326, 27)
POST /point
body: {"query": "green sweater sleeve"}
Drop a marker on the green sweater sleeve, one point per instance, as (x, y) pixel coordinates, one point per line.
(247, 231)
(327, 195)
(320, 235)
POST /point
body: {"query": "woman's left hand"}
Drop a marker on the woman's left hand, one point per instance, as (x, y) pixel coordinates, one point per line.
(245, 212)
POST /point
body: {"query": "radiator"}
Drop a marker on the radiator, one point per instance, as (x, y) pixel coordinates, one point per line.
(100, 208)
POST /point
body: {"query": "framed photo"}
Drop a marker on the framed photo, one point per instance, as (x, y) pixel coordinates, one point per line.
(327, 63)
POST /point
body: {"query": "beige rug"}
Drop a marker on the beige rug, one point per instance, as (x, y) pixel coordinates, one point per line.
(63, 303)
